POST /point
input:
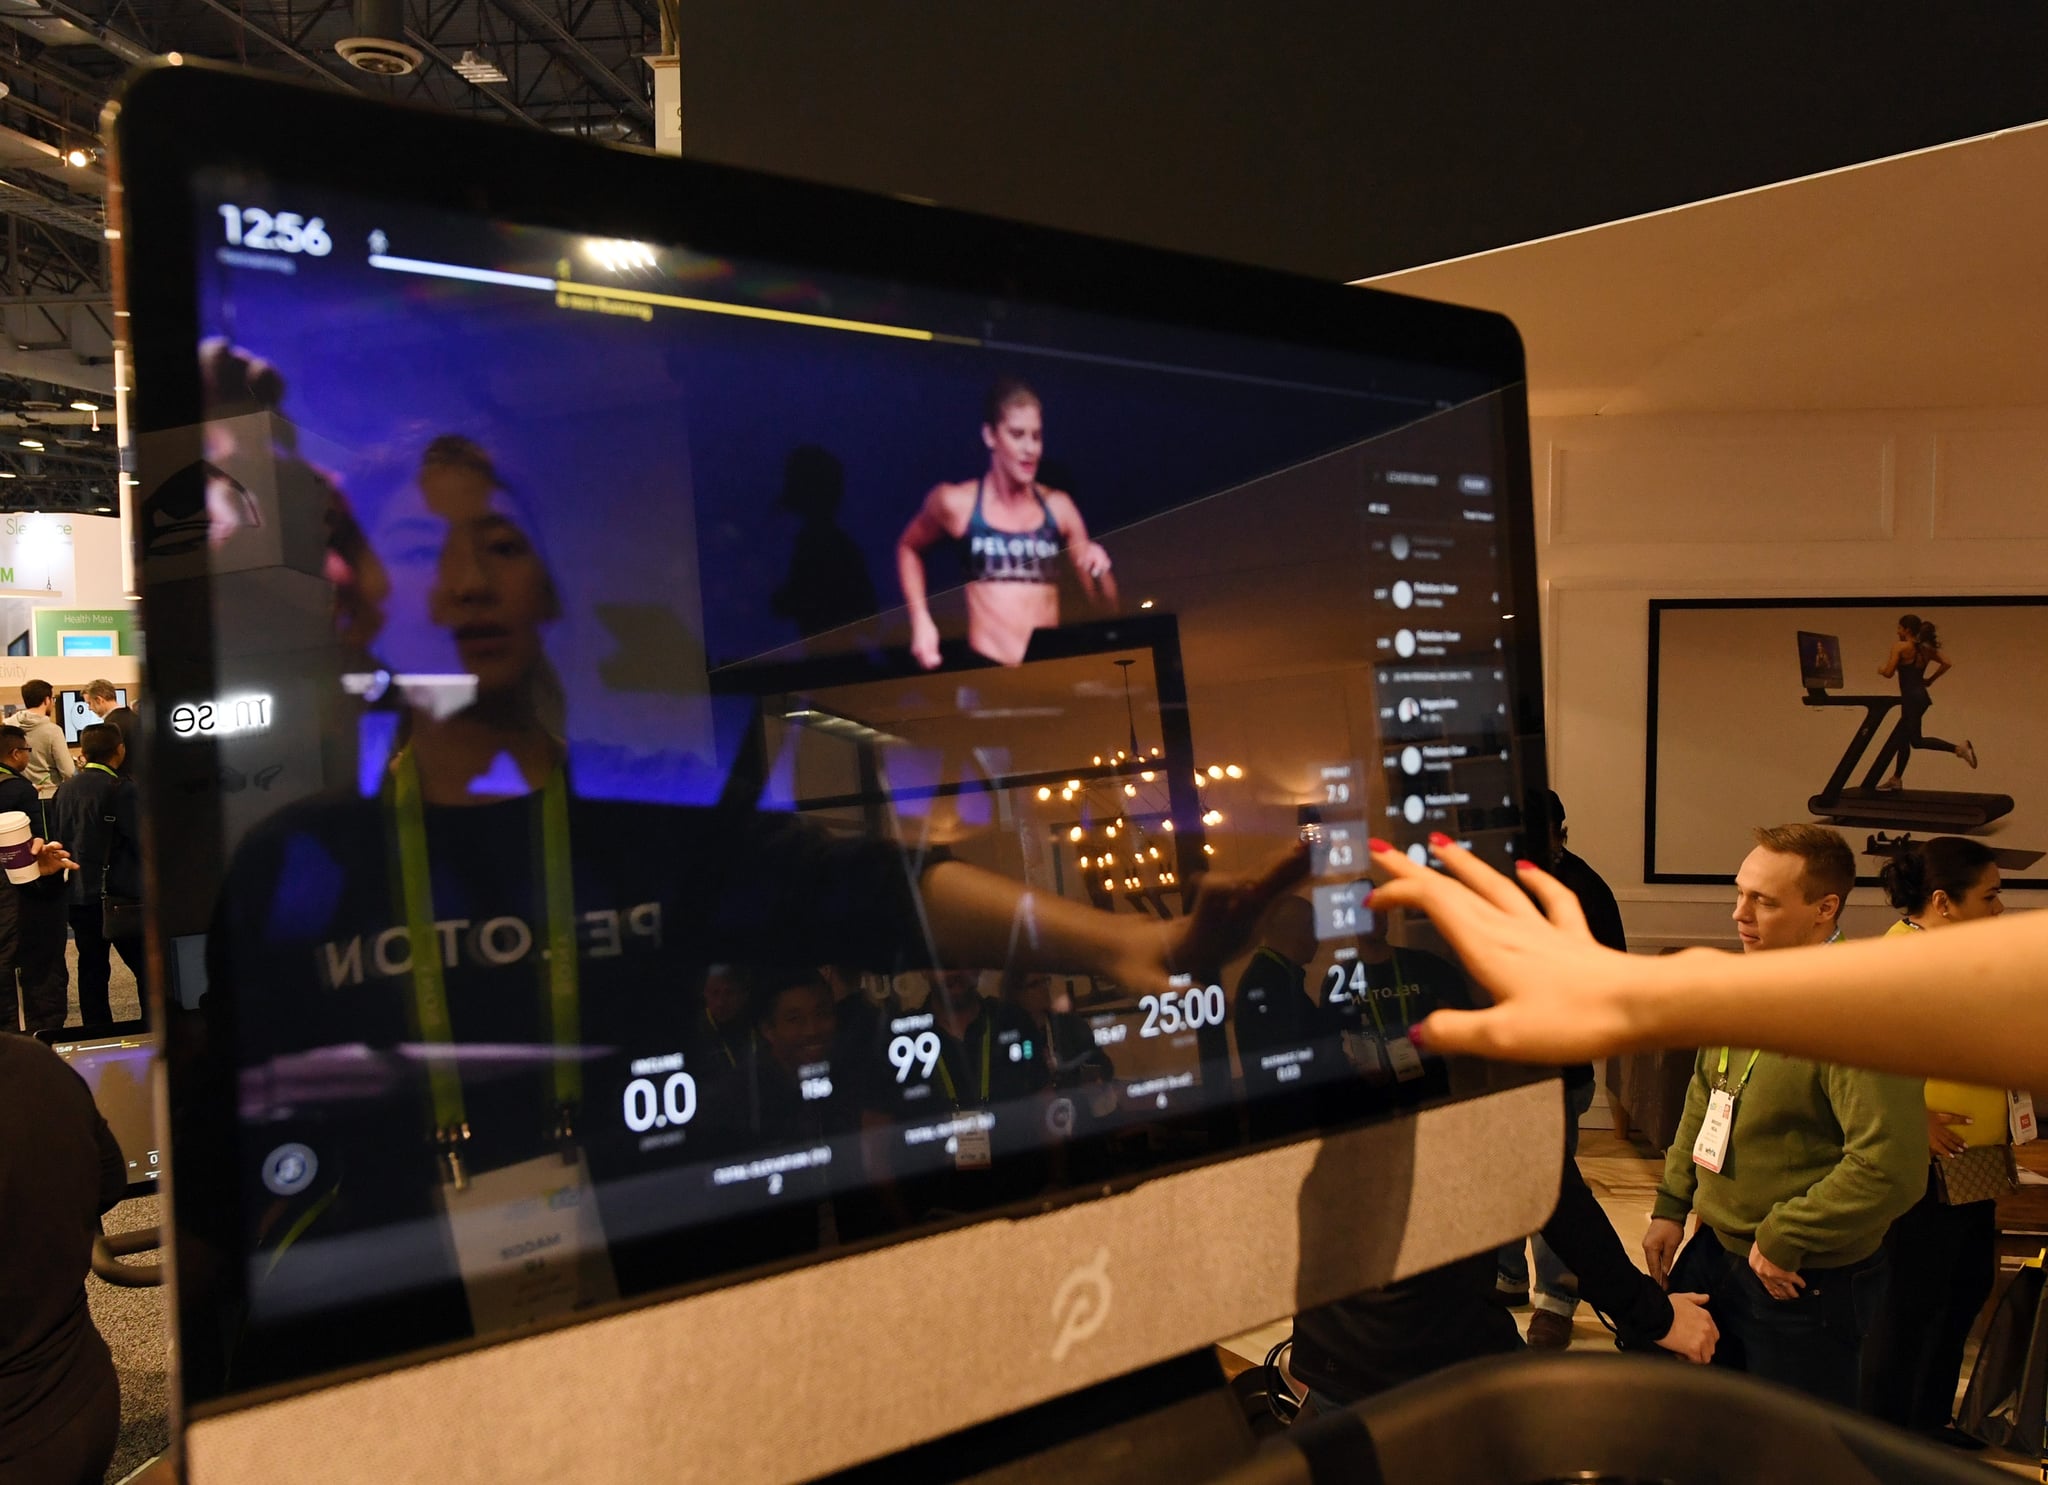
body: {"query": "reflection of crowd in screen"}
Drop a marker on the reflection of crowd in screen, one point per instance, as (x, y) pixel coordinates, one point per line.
(1012, 531)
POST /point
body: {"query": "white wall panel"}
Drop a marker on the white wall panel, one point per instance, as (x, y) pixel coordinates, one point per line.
(1831, 486)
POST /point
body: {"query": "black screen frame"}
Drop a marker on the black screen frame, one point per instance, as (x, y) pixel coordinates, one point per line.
(174, 121)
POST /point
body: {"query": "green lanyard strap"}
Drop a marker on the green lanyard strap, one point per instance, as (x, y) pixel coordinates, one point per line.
(1402, 990)
(429, 981)
(988, 1037)
(1736, 1091)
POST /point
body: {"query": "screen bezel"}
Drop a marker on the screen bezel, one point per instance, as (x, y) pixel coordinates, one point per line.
(176, 121)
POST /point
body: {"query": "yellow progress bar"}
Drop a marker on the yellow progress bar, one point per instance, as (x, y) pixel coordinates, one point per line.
(742, 311)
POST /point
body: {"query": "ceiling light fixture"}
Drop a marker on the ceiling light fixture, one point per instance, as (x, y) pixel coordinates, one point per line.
(479, 70)
(78, 159)
(31, 443)
(83, 406)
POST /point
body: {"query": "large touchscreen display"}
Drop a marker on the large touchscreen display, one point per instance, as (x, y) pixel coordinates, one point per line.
(718, 761)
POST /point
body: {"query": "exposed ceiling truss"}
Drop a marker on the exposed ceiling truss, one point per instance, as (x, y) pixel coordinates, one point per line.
(568, 66)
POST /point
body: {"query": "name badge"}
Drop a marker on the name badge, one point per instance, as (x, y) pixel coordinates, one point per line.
(1710, 1150)
(973, 1149)
(1367, 1058)
(529, 1243)
(2019, 1110)
(1406, 1060)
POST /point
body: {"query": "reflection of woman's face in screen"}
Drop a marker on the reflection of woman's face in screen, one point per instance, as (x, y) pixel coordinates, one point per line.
(1016, 443)
(491, 592)
(471, 591)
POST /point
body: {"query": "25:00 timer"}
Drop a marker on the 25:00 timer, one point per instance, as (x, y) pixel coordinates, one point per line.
(1181, 1010)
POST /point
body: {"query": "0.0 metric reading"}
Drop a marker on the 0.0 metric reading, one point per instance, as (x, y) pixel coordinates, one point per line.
(279, 232)
(675, 1105)
(1189, 1010)
(907, 1052)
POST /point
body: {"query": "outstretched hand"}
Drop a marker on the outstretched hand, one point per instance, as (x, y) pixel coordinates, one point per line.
(1558, 995)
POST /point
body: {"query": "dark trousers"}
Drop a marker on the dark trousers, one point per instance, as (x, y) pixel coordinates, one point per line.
(1898, 748)
(1812, 1343)
(96, 965)
(1944, 1261)
(33, 927)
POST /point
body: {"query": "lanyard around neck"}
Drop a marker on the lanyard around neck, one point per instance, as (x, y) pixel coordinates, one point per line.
(1736, 1091)
(104, 769)
(429, 980)
(1402, 990)
(988, 1036)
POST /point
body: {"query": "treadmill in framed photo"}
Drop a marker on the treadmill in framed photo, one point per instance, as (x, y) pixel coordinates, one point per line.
(759, 795)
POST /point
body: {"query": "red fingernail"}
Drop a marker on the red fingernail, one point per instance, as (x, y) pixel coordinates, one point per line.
(1438, 838)
(1379, 845)
(1417, 1037)
(1525, 866)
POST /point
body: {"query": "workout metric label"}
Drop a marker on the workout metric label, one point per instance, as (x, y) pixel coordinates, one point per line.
(1341, 910)
(1340, 785)
(1338, 847)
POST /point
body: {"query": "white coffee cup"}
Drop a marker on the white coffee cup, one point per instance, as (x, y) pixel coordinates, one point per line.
(17, 848)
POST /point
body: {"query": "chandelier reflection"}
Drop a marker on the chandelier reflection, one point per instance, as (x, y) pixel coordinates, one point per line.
(1124, 831)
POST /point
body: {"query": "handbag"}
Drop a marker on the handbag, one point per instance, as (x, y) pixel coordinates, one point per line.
(120, 917)
(1980, 1173)
(2007, 1399)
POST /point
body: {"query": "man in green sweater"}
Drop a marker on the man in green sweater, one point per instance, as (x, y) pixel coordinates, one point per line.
(1795, 1168)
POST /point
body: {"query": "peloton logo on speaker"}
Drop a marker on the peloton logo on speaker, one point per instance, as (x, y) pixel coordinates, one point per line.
(1081, 1304)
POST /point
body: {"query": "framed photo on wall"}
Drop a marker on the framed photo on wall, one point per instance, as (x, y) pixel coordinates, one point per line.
(1889, 719)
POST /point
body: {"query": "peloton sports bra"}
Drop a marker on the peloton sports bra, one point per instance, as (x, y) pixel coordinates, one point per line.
(995, 556)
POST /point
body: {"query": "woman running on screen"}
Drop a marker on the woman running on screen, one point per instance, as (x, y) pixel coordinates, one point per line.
(1916, 659)
(1012, 531)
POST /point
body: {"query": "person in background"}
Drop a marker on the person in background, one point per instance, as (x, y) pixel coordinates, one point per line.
(1272, 1011)
(787, 1094)
(1382, 1338)
(987, 1060)
(33, 922)
(1949, 1241)
(1556, 1293)
(105, 702)
(1795, 1168)
(1082, 1074)
(725, 1032)
(60, 1401)
(83, 813)
(49, 761)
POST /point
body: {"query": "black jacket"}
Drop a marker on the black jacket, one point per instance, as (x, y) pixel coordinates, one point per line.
(1603, 917)
(60, 1169)
(1384, 1337)
(17, 793)
(81, 814)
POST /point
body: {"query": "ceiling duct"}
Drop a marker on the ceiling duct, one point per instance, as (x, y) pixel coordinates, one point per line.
(377, 46)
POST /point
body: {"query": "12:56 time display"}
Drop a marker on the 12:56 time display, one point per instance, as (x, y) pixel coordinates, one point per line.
(275, 232)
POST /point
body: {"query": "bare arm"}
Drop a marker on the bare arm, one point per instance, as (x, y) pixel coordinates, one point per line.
(1890, 667)
(1091, 562)
(1937, 667)
(982, 920)
(1562, 998)
(926, 528)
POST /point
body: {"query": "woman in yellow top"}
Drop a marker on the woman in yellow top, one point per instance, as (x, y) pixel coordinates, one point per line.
(1943, 1256)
